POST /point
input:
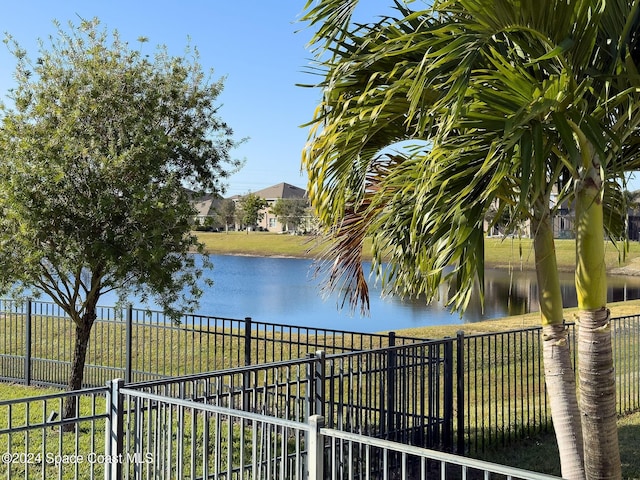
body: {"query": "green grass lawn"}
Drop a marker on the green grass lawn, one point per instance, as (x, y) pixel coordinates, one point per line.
(527, 452)
(52, 453)
(48, 452)
(540, 453)
(259, 244)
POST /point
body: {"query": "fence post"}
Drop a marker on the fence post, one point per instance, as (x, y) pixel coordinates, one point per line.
(315, 450)
(27, 345)
(319, 381)
(460, 392)
(247, 341)
(114, 430)
(447, 428)
(391, 385)
(129, 341)
(315, 383)
(246, 376)
(311, 385)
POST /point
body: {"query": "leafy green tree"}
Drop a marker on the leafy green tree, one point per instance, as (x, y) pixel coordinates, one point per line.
(251, 208)
(96, 147)
(501, 103)
(290, 212)
(227, 212)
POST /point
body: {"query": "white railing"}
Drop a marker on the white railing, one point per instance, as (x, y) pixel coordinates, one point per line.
(161, 437)
(358, 457)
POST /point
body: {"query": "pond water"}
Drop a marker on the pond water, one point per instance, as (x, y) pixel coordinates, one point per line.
(284, 290)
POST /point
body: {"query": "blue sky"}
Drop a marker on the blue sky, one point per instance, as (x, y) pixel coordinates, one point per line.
(256, 44)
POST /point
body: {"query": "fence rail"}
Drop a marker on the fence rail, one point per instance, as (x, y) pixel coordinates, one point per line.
(140, 345)
(402, 393)
(354, 456)
(36, 442)
(209, 441)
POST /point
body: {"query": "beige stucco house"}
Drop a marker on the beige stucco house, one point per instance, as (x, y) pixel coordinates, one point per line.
(206, 206)
(272, 194)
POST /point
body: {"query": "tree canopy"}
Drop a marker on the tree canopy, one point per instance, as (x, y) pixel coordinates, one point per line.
(98, 144)
(251, 208)
(290, 211)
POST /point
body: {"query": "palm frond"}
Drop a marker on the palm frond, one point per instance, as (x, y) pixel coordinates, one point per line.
(341, 260)
(496, 90)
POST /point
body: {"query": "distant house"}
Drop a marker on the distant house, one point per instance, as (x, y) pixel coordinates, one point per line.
(563, 217)
(633, 216)
(562, 222)
(272, 194)
(208, 207)
(204, 208)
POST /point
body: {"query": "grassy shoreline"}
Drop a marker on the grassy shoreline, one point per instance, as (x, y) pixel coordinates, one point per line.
(499, 253)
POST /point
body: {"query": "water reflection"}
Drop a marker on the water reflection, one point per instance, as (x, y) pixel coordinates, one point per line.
(516, 292)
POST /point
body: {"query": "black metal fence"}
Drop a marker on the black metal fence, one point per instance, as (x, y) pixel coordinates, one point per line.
(474, 391)
(140, 345)
(36, 442)
(400, 393)
(501, 389)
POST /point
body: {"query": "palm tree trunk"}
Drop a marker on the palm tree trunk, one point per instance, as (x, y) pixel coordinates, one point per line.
(595, 365)
(598, 395)
(558, 370)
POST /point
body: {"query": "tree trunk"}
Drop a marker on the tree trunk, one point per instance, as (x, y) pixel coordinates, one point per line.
(83, 333)
(595, 364)
(558, 371)
(598, 396)
(561, 390)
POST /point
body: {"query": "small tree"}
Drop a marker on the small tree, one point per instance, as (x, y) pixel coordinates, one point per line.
(227, 213)
(290, 212)
(94, 153)
(251, 208)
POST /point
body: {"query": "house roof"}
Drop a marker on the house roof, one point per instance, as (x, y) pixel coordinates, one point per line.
(281, 190)
(203, 206)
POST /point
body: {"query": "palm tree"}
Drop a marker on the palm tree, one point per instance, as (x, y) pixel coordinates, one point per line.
(503, 102)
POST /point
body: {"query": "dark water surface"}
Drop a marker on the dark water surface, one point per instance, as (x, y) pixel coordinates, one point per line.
(283, 290)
